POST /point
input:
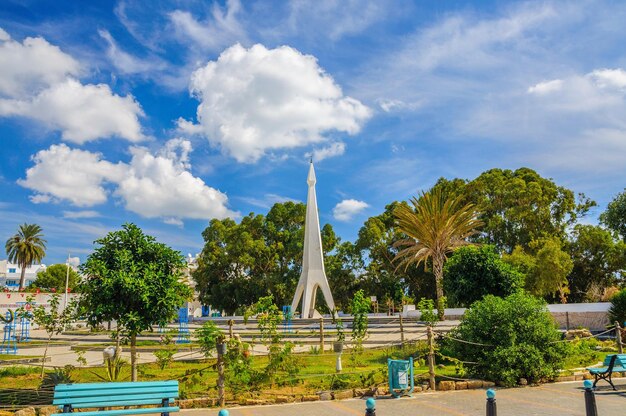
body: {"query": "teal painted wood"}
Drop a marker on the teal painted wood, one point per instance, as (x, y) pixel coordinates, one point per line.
(113, 385)
(130, 398)
(116, 403)
(131, 411)
(108, 392)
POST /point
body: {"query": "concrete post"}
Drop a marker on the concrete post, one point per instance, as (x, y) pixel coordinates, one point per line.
(321, 335)
(401, 330)
(431, 357)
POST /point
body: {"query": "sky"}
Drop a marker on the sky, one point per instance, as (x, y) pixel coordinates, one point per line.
(172, 114)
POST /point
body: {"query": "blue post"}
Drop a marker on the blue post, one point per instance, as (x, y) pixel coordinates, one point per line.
(590, 399)
(491, 403)
(370, 407)
(9, 346)
(183, 327)
(223, 412)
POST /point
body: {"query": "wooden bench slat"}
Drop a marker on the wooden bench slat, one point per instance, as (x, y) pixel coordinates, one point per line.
(127, 398)
(115, 385)
(122, 412)
(168, 390)
(115, 404)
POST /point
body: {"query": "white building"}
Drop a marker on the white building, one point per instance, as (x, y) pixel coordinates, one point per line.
(10, 274)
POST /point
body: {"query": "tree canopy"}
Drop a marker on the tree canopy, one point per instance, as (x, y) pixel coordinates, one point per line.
(26, 248)
(54, 278)
(615, 215)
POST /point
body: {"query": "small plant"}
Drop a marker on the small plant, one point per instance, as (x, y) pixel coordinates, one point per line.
(427, 310)
(166, 355)
(314, 350)
(341, 336)
(60, 375)
(208, 336)
(441, 307)
(360, 307)
(80, 358)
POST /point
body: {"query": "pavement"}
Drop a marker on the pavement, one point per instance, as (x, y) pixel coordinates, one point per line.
(548, 399)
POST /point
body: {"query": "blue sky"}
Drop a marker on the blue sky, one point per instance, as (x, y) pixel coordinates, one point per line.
(171, 114)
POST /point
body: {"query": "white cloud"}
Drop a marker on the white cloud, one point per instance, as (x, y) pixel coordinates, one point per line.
(258, 99)
(30, 66)
(81, 214)
(347, 209)
(75, 175)
(127, 63)
(81, 112)
(160, 186)
(334, 149)
(153, 186)
(609, 78)
(546, 87)
(37, 81)
(222, 29)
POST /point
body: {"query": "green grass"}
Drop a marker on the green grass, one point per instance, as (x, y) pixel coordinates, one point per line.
(11, 357)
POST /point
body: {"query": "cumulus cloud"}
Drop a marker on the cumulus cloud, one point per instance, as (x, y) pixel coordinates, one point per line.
(334, 149)
(546, 87)
(81, 112)
(75, 175)
(258, 99)
(31, 65)
(151, 185)
(37, 80)
(609, 78)
(347, 209)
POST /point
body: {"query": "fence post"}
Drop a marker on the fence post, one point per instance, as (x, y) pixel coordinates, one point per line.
(321, 335)
(230, 328)
(566, 321)
(431, 357)
(401, 330)
(491, 403)
(370, 407)
(618, 338)
(590, 399)
(220, 374)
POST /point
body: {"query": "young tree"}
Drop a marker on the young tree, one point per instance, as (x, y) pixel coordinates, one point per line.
(473, 272)
(54, 278)
(436, 225)
(133, 280)
(51, 318)
(26, 247)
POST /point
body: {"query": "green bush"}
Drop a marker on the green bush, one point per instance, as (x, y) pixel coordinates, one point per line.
(617, 310)
(474, 272)
(427, 311)
(517, 338)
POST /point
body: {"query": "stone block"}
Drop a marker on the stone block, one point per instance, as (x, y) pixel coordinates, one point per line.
(488, 384)
(587, 376)
(255, 402)
(282, 399)
(445, 385)
(47, 410)
(342, 395)
(325, 396)
(566, 378)
(474, 384)
(461, 385)
(28, 411)
(310, 398)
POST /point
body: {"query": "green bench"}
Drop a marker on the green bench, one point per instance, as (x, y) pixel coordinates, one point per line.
(613, 363)
(102, 395)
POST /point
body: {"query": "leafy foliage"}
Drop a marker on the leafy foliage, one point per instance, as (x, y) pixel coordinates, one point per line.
(208, 336)
(165, 355)
(615, 215)
(509, 339)
(473, 272)
(132, 279)
(427, 311)
(26, 247)
(360, 306)
(54, 278)
(435, 225)
(617, 310)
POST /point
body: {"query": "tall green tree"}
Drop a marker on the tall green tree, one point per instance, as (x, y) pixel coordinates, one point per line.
(435, 225)
(615, 215)
(472, 272)
(54, 278)
(598, 260)
(518, 207)
(26, 248)
(132, 279)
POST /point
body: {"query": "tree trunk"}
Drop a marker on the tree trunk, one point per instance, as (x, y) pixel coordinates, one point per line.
(23, 277)
(133, 357)
(438, 272)
(45, 353)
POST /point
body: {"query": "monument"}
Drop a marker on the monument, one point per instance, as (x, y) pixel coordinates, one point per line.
(313, 274)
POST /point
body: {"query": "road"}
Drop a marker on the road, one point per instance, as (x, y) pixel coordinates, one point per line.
(549, 399)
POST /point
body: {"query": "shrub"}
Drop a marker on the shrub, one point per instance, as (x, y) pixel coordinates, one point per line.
(474, 272)
(617, 310)
(517, 336)
(427, 311)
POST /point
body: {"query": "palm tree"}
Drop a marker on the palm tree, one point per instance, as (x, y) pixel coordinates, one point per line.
(26, 247)
(435, 225)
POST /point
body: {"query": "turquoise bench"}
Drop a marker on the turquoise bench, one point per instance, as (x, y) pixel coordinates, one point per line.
(101, 395)
(613, 363)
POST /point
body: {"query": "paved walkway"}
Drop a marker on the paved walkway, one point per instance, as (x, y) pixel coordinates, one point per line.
(549, 399)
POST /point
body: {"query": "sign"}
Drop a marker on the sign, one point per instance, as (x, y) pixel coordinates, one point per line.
(402, 378)
(373, 299)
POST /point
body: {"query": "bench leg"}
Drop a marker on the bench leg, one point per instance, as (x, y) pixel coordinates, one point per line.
(611, 382)
(165, 403)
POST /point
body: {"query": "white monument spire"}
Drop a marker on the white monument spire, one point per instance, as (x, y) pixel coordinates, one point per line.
(313, 275)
